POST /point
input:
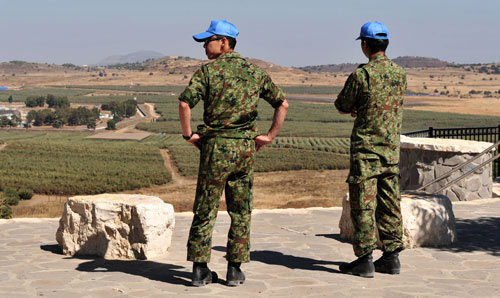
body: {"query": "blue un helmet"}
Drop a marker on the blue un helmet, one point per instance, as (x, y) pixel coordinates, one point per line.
(218, 27)
(374, 30)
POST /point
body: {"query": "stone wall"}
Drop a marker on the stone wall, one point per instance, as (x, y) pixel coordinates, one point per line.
(424, 159)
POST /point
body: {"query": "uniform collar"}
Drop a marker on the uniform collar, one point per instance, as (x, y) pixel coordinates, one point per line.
(379, 57)
(229, 55)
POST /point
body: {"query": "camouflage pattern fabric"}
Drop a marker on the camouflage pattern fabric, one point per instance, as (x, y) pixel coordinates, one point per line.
(375, 92)
(225, 164)
(376, 204)
(230, 87)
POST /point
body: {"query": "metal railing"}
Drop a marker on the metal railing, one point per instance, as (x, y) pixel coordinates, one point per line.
(447, 174)
(483, 134)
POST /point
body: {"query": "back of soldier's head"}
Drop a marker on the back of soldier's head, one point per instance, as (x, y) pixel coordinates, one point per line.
(376, 45)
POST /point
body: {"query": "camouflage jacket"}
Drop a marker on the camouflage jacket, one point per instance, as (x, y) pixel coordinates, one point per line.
(230, 88)
(376, 91)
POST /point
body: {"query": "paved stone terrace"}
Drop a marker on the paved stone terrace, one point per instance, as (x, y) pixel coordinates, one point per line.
(295, 253)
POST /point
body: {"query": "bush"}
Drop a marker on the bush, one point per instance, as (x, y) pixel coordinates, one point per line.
(11, 197)
(11, 201)
(25, 194)
(111, 125)
(5, 211)
(9, 192)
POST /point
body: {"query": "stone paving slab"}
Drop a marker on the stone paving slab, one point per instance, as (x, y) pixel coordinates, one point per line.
(295, 253)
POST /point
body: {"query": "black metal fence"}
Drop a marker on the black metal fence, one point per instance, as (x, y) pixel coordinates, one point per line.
(484, 134)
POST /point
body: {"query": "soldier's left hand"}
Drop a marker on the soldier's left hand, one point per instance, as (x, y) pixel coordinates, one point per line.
(195, 140)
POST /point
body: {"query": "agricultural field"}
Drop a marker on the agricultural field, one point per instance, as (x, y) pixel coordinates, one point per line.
(99, 94)
(281, 155)
(314, 142)
(21, 95)
(317, 120)
(69, 164)
(158, 89)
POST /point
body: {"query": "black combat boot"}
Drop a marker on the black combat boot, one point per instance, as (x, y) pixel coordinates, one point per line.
(363, 266)
(202, 275)
(388, 263)
(234, 276)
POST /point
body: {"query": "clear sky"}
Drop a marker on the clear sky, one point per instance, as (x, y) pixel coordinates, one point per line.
(286, 32)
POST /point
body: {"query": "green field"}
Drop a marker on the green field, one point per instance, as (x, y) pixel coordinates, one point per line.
(20, 95)
(163, 89)
(314, 136)
(317, 120)
(69, 164)
(179, 89)
(303, 119)
(330, 90)
(284, 154)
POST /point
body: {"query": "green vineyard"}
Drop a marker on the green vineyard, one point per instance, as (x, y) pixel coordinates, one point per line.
(69, 164)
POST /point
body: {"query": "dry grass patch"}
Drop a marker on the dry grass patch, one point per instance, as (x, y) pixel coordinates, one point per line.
(40, 207)
(272, 190)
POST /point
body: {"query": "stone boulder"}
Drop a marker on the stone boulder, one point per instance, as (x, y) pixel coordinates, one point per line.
(116, 226)
(428, 220)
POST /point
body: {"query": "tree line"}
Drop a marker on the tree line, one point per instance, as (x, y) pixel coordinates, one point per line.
(51, 100)
(64, 116)
(59, 113)
(12, 122)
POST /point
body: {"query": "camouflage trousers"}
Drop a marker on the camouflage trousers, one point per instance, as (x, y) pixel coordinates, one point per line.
(375, 205)
(225, 164)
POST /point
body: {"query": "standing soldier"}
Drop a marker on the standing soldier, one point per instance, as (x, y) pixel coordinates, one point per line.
(230, 88)
(374, 95)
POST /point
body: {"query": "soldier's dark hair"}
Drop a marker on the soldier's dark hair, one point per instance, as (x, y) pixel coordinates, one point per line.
(376, 45)
(231, 41)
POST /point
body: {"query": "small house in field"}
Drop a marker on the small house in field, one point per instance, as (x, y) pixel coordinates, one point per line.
(5, 112)
(105, 115)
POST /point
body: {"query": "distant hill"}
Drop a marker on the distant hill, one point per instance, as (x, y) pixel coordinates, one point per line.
(415, 61)
(404, 61)
(343, 67)
(187, 65)
(130, 58)
(18, 66)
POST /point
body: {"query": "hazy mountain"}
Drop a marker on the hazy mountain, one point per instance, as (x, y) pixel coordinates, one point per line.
(404, 61)
(130, 58)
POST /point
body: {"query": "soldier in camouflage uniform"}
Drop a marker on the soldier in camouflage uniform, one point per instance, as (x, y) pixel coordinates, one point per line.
(374, 95)
(230, 88)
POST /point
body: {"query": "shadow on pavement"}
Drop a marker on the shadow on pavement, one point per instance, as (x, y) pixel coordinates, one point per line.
(148, 269)
(53, 248)
(333, 236)
(481, 234)
(289, 261)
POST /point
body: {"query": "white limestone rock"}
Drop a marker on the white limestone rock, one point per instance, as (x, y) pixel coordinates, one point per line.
(116, 226)
(428, 220)
(443, 145)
